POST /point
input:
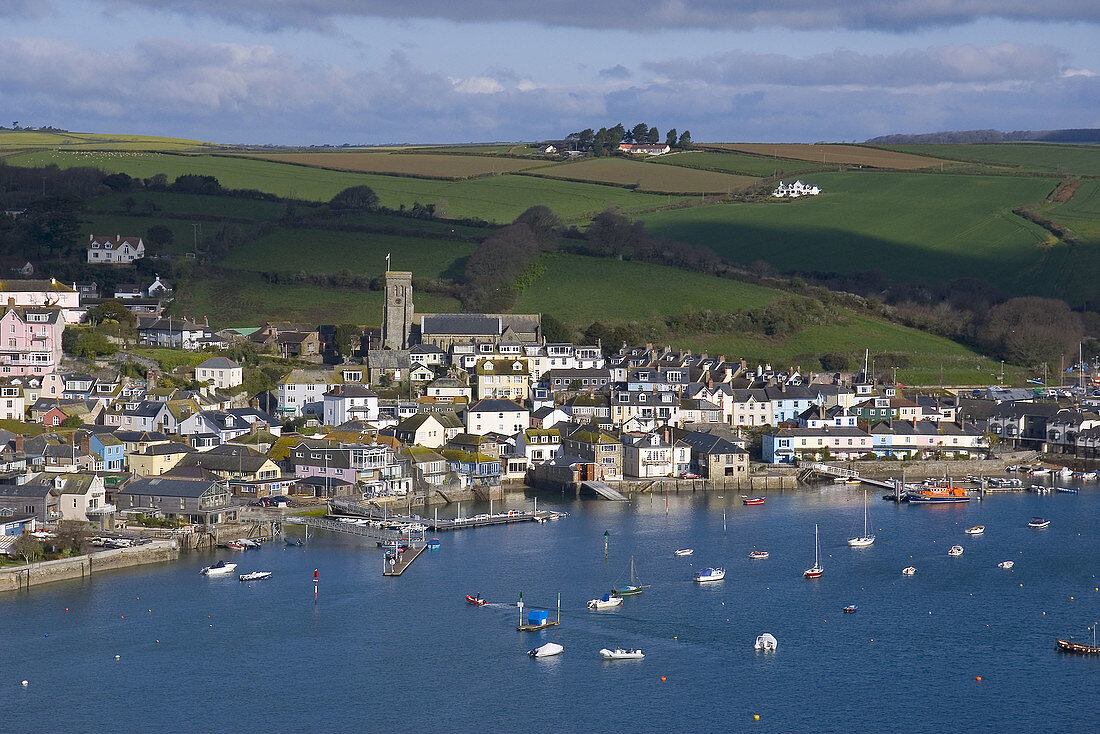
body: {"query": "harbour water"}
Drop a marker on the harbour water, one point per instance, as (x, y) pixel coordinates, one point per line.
(373, 653)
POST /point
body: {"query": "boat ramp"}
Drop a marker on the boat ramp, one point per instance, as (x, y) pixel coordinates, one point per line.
(837, 472)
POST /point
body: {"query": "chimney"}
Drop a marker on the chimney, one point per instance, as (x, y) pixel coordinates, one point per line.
(18, 442)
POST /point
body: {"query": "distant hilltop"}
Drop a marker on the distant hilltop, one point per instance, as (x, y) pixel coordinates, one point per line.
(1083, 135)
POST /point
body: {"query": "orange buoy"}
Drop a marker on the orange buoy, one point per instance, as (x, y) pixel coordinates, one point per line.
(662, 679)
(978, 678)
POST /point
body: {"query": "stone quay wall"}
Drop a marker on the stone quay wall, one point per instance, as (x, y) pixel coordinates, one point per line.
(85, 566)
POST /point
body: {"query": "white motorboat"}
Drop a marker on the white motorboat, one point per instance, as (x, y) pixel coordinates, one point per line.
(1039, 523)
(766, 643)
(758, 555)
(607, 601)
(545, 651)
(867, 538)
(221, 568)
(620, 654)
(1005, 564)
(247, 543)
(255, 576)
(710, 574)
(908, 571)
(683, 552)
(956, 551)
(976, 530)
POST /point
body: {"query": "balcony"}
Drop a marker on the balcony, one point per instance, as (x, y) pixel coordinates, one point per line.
(107, 509)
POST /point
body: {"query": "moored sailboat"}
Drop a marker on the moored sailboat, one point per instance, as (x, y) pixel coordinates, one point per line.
(633, 587)
(867, 538)
(815, 571)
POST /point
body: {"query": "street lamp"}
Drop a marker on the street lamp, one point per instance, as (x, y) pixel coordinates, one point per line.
(1002, 372)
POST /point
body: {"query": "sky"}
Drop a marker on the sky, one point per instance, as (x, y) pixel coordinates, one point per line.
(317, 72)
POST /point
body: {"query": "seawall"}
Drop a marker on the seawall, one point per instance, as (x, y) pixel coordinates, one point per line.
(84, 566)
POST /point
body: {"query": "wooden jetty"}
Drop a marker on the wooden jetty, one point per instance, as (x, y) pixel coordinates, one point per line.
(537, 627)
(403, 561)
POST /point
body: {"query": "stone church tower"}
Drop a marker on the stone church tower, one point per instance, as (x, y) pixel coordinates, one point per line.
(397, 317)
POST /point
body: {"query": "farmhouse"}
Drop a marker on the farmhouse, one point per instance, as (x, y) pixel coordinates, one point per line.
(644, 148)
(796, 189)
(117, 250)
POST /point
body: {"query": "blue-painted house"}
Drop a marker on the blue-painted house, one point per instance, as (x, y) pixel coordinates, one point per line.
(110, 449)
(475, 468)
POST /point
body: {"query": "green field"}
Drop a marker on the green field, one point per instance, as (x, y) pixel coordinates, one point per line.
(580, 290)
(495, 198)
(644, 176)
(183, 234)
(326, 251)
(423, 165)
(911, 226)
(1082, 212)
(1041, 157)
(740, 163)
(20, 140)
(241, 298)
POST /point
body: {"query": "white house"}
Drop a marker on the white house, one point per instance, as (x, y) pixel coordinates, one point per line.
(220, 372)
(645, 148)
(497, 416)
(796, 189)
(345, 403)
(114, 250)
(302, 392)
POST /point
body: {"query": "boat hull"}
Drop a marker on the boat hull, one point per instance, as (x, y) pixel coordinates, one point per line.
(861, 542)
(618, 654)
(813, 573)
(917, 499)
(1077, 648)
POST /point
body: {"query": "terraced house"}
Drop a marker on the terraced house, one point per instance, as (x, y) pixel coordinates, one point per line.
(508, 379)
(30, 340)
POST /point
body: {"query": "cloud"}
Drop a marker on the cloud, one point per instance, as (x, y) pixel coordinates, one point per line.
(230, 93)
(618, 71)
(25, 9)
(889, 15)
(912, 67)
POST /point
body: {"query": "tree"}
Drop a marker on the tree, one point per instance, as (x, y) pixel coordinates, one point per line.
(685, 140)
(1032, 330)
(27, 547)
(193, 183)
(159, 236)
(670, 139)
(346, 339)
(991, 440)
(70, 537)
(72, 421)
(543, 223)
(585, 138)
(654, 135)
(355, 198)
(834, 361)
(110, 311)
(554, 330)
(639, 132)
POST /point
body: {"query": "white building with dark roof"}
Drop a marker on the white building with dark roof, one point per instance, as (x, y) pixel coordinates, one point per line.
(117, 250)
(220, 372)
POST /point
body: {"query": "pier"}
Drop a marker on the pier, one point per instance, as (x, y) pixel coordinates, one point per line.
(438, 525)
(403, 561)
(372, 532)
(842, 473)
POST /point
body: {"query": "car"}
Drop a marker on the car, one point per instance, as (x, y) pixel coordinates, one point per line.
(689, 475)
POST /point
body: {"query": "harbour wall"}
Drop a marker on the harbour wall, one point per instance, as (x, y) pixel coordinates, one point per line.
(86, 566)
(926, 469)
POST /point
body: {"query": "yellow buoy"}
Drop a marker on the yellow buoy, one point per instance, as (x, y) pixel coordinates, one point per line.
(756, 717)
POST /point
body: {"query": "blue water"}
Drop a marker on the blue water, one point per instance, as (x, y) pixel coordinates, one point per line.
(200, 654)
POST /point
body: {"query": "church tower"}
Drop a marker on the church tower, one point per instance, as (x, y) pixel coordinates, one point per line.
(397, 318)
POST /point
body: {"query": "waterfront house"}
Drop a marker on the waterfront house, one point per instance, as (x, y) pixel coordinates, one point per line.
(596, 447)
(474, 469)
(231, 461)
(644, 410)
(200, 502)
(539, 444)
(714, 457)
(81, 496)
(38, 500)
(789, 445)
(655, 454)
(423, 429)
(430, 468)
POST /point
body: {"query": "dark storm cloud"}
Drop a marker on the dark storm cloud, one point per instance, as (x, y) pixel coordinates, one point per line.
(889, 15)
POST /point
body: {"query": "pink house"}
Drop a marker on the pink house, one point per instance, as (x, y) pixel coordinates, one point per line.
(30, 340)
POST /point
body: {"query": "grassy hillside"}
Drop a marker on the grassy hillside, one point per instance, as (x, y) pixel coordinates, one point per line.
(1041, 157)
(496, 198)
(326, 251)
(645, 176)
(911, 226)
(825, 154)
(28, 140)
(427, 165)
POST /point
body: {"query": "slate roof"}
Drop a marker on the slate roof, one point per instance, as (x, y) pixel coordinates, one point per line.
(219, 363)
(30, 489)
(161, 487)
(495, 406)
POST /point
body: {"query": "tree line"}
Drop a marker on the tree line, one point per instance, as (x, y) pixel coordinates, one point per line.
(606, 140)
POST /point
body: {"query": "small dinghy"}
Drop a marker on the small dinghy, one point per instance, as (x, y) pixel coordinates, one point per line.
(1038, 523)
(607, 601)
(1067, 490)
(293, 541)
(766, 643)
(851, 609)
(221, 568)
(709, 574)
(683, 552)
(753, 500)
(433, 543)
(976, 530)
(1005, 564)
(477, 601)
(545, 651)
(255, 576)
(620, 654)
(956, 551)
(758, 555)
(908, 571)
(247, 543)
